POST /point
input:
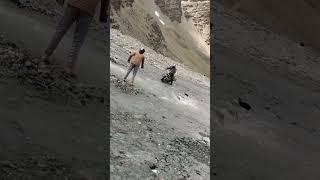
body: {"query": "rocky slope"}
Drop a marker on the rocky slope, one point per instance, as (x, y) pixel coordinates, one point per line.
(296, 19)
(163, 26)
(44, 114)
(199, 13)
(278, 77)
(162, 120)
(266, 46)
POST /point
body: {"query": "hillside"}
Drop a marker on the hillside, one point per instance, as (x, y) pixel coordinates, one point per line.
(269, 69)
(163, 26)
(159, 131)
(296, 19)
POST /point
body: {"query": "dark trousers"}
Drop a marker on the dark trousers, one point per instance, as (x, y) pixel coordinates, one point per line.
(83, 21)
(135, 69)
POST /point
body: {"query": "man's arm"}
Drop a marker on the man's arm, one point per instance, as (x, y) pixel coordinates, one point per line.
(142, 63)
(132, 54)
(104, 10)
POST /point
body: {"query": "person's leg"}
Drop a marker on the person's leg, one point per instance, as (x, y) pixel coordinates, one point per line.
(135, 70)
(171, 78)
(70, 15)
(128, 72)
(82, 26)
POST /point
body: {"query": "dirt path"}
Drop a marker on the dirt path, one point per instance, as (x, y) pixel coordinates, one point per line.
(43, 137)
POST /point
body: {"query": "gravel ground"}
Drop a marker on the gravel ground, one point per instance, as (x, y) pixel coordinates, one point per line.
(48, 79)
(45, 115)
(152, 138)
(278, 79)
(154, 151)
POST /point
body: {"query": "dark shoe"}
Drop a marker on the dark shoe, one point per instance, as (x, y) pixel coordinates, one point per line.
(45, 58)
(69, 71)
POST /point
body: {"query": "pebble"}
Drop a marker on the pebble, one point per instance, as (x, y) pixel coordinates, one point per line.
(155, 171)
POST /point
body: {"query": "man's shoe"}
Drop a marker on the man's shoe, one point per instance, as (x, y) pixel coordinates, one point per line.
(70, 72)
(45, 58)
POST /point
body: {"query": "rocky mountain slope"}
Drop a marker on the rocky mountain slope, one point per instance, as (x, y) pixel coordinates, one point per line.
(162, 120)
(270, 70)
(44, 114)
(159, 131)
(199, 13)
(162, 25)
(296, 19)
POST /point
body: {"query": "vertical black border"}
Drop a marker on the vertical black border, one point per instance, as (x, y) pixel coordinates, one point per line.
(212, 128)
(107, 100)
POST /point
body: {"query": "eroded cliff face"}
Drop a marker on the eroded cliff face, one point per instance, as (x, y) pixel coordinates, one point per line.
(137, 23)
(162, 26)
(199, 12)
(171, 8)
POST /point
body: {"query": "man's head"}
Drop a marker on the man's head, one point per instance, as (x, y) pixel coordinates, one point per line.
(141, 50)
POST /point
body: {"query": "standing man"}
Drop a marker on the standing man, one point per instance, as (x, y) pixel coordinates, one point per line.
(135, 59)
(81, 12)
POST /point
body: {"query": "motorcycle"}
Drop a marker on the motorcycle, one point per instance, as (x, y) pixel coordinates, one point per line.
(169, 76)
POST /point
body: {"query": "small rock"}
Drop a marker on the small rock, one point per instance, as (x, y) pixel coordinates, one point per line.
(153, 166)
(102, 99)
(121, 152)
(244, 104)
(28, 63)
(293, 123)
(198, 172)
(155, 171)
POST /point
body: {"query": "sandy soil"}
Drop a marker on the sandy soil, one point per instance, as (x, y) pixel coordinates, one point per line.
(52, 127)
(277, 138)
